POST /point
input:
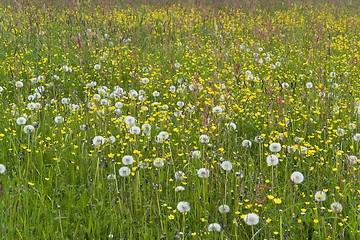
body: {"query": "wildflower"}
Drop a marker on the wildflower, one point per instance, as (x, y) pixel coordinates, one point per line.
(217, 109)
(231, 126)
(59, 119)
(204, 139)
(246, 143)
(162, 137)
(135, 130)
(285, 85)
(146, 129)
(21, 121)
(297, 177)
(272, 160)
(65, 100)
(353, 159)
(336, 207)
(129, 120)
(259, 139)
(183, 207)
(224, 208)
(177, 65)
(28, 129)
(124, 171)
(320, 196)
(357, 137)
(340, 132)
(333, 74)
(111, 177)
(127, 160)
(275, 147)
(2, 168)
(179, 189)
(179, 175)
(251, 219)
(98, 140)
(158, 162)
(19, 84)
(352, 126)
(226, 165)
(203, 173)
(196, 154)
(309, 85)
(145, 80)
(214, 227)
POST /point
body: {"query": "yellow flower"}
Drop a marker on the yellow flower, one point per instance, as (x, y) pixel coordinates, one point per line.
(277, 200)
(171, 217)
(316, 221)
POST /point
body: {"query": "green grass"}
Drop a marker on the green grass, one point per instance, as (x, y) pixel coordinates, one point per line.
(59, 184)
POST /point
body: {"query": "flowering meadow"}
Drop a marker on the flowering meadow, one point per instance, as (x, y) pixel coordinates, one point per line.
(170, 120)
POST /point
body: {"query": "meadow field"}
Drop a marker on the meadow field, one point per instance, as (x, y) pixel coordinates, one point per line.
(179, 119)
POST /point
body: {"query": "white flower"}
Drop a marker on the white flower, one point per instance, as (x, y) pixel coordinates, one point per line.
(19, 84)
(135, 130)
(124, 171)
(59, 119)
(2, 168)
(214, 227)
(158, 162)
(340, 132)
(320, 196)
(231, 126)
(129, 120)
(145, 80)
(309, 85)
(217, 109)
(297, 177)
(183, 207)
(1, 89)
(156, 94)
(83, 127)
(285, 85)
(98, 140)
(196, 154)
(97, 66)
(65, 100)
(111, 177)
(272, 160)
(127, 160)
(111, 139)
(352, 126)
(203, 173)
(179, 189)
(146, 128)
(246, 143)
(226, 165)
(21, 121)
(224, 208)
(179, 175)
(275, 147)
(353, 159)
(34, 80)
(278, 64)
(204, 139)
(177, 65)
(28, 129)
(251, 219)
(259, 139)
(336, 207)
(162, 136)
(357, 137)
(333, 74)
